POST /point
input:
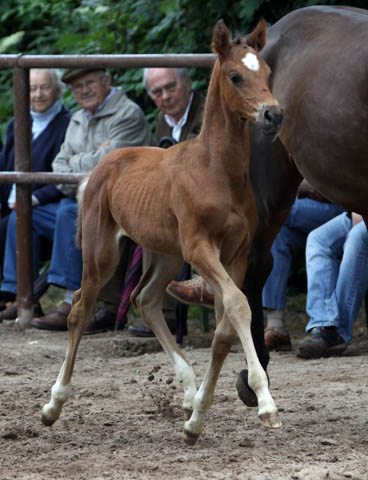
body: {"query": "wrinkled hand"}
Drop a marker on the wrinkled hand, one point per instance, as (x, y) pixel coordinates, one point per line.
(105, 144)
(35, 202)
(356, 218)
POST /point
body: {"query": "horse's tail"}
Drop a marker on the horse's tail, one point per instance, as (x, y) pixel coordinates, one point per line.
(80, 194)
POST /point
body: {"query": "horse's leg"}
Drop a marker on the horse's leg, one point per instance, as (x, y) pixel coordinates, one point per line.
(149, 300)
(275, 195)
(235, 319)
(100, 260)
(259, 267)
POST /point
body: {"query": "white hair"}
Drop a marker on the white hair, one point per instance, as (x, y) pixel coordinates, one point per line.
(182, 73)
(55, 75)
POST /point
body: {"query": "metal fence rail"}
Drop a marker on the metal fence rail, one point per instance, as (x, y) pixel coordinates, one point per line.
(23, 175)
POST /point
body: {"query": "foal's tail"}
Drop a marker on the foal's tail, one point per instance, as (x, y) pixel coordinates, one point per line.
(80, 193)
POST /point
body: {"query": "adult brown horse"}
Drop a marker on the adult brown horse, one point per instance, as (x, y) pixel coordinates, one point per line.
(192, 201)
(319, 62)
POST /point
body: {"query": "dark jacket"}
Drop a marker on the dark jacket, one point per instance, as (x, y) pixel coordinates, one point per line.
(44, 149)
(193, 124)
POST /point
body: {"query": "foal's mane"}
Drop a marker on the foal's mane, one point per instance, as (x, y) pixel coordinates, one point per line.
(240, 40)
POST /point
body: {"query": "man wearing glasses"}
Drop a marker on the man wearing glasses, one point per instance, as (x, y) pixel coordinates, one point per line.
(108, 120)
(180, 117)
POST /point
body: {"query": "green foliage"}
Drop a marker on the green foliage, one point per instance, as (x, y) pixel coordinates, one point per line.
(125, 27)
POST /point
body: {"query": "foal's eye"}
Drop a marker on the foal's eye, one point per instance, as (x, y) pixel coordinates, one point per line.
(235, 78)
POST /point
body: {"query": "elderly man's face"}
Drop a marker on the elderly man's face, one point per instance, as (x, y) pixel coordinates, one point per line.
(43, 93)
(169, 92)
(91, 89)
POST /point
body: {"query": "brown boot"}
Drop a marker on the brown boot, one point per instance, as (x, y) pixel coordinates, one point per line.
(191, 292)
(11, 312)
(277, 339)
(54, 321)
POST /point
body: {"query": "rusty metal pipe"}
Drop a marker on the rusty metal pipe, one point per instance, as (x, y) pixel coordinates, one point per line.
(23, 176)
(22, 150)
(108, 61)
(40, 177)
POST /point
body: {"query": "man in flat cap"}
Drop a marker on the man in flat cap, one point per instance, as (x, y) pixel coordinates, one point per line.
(108, 120)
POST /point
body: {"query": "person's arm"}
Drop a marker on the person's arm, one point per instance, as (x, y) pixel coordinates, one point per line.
(129, 128)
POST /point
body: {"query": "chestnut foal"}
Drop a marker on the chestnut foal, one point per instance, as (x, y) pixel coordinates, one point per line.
(193, 201)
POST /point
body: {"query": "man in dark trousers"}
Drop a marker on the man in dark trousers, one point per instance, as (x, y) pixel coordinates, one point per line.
(180, 118)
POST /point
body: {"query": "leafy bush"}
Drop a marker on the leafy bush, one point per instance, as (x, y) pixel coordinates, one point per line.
(127, 27)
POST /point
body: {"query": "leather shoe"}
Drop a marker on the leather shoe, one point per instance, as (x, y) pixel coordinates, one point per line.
(103, 320)
(321, 342)
(11, 312)
(278, 340)
(191, 292)
(54, 321)
(144, 331)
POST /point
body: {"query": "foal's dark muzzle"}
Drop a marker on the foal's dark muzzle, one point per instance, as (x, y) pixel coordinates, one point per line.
(271, 117)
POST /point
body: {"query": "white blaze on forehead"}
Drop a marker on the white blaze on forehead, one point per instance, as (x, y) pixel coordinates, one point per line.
(251, 61)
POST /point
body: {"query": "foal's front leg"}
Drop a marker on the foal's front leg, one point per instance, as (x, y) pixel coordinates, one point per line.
(236, 318)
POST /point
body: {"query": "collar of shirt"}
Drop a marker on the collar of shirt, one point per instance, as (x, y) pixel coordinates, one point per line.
(100, 107)
(176, 127)
(40, 120)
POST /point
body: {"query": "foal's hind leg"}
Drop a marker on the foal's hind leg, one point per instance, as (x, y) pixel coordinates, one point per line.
(162, 269)
(98, 268)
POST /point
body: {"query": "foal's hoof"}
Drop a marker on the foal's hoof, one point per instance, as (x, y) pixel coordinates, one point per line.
(246, 394)
(46, 416)
(190, 438)
(270, 420)
(46, 420)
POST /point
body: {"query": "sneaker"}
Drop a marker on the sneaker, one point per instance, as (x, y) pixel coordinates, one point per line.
(322, 342)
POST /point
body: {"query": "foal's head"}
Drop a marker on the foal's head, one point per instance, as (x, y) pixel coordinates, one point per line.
(244, 77)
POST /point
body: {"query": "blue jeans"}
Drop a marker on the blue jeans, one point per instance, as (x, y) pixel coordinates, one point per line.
(305, 215)
(55, 221)
(336, 288)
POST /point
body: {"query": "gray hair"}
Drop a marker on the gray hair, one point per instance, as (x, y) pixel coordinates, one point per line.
(182, 73)
(55, 79)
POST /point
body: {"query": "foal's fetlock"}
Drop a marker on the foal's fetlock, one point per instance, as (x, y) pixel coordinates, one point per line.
(51, 411)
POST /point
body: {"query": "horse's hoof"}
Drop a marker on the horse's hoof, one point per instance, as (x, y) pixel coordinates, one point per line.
(47, 421)
(187, 413)
(270, 420)
(190, 438)
(246, 394)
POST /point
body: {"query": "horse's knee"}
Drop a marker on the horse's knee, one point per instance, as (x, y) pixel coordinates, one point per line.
(223, 339)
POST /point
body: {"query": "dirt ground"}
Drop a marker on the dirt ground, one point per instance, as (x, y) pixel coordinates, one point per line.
(125, 422)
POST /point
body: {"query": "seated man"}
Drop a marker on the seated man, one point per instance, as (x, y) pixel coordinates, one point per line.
(50, 120)
(309, 211)
(180, 118)
(108, 120)
(337, 273)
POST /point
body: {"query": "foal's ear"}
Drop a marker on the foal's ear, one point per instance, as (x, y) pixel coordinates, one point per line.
(221, 39)
(257, 39)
